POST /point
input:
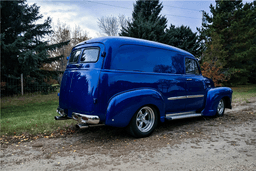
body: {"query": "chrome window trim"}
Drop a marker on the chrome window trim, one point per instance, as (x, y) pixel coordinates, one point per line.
(185, 97)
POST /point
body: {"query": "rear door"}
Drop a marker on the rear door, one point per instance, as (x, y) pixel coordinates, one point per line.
(81, 78)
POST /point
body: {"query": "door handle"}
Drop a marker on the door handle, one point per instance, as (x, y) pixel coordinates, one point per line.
(189, 79)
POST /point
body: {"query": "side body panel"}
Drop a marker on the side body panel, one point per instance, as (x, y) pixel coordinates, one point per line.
(214, 95)
(113, 83)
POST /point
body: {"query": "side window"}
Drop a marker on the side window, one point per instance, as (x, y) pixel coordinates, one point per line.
(191, 66)
(90, 55)
(75, 55)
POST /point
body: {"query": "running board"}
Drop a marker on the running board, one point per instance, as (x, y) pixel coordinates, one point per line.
(182, 116)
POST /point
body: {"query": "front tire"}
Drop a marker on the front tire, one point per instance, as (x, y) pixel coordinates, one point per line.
(143, 122)
(220, 108)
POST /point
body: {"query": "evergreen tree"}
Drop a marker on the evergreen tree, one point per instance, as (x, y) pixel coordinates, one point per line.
(183, 37)
(234, 24)
(147, 23)
(23, 49)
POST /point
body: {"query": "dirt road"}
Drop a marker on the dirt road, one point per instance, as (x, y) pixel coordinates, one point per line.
(225, 143)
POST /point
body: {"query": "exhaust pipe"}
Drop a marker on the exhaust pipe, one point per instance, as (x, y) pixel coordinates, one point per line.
(61, 118)
(83, 126)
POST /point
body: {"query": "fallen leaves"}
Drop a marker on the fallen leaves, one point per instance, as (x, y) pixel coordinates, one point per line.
(5, 139)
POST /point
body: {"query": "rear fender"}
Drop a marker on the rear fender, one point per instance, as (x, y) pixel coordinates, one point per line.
(214, 95)
(122, 107)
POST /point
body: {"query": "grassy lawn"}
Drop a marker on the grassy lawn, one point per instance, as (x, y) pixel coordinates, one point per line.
(35, 114)
(30, 114)
(243, 92)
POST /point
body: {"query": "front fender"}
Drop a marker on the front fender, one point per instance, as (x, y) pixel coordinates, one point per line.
(122, 107)
(214, 95)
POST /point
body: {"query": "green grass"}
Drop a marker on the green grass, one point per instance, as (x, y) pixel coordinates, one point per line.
(35, 113)
(243, 93)
(30, 114)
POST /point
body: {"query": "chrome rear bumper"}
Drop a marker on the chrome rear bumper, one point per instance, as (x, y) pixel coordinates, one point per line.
(86, 119)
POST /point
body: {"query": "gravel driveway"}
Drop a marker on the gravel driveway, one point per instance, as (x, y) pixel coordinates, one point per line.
(225, 143)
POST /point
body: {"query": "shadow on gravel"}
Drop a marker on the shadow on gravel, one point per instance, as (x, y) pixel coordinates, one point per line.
(106, 133)
(184, 128)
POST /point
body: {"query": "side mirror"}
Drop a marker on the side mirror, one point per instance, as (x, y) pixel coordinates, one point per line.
(67, 57)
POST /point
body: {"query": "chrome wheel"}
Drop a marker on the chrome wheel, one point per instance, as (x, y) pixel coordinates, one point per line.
(221, 107)
(145, 119)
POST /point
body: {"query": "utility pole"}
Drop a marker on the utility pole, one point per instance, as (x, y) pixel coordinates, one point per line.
(203, 19)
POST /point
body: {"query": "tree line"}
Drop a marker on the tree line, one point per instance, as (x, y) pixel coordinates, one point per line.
(38, 51)
(225, 44)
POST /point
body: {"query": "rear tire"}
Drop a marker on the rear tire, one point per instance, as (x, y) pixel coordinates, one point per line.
(220, 108)
(143, 122)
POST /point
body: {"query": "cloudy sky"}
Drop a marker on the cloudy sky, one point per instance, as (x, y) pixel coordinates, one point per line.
(85, 13)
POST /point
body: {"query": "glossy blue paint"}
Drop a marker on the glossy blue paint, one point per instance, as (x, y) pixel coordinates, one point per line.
(214, 95)
(79, 84)
(122, 107)
(130, 73)
(168, 85)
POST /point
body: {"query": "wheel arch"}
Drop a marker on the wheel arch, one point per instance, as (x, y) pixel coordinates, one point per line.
(122, 107)
(214, 95)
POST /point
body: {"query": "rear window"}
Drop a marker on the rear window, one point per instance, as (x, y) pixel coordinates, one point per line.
(90, 55)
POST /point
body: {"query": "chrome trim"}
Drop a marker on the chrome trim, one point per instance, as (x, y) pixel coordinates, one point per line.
(61, 112)
(183, 113)
(61, 118)
(83, 126)
(195, 96)
(186, 116)
(63, 115)
(178, 97)
(185, 97)
(90, 119)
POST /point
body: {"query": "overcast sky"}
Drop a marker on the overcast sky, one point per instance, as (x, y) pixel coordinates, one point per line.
(86, 13)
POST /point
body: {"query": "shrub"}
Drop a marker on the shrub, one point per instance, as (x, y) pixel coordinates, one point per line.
(213, 72)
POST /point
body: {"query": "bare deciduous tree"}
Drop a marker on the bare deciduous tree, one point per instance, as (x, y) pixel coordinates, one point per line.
(109, 25)
(79, 35)
(112, 25)
(62, 33)
(123, 22)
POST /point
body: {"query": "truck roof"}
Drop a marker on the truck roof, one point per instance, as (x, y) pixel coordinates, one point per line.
(120, 40)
